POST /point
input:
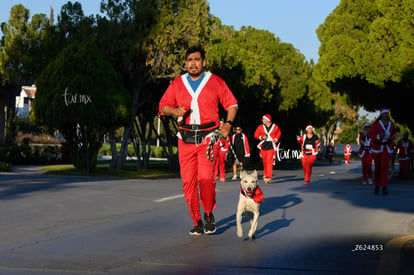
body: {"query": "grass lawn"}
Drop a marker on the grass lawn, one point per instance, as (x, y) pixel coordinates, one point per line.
(157, 169)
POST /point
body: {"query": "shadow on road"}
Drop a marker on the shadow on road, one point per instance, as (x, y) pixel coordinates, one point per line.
(18, 186)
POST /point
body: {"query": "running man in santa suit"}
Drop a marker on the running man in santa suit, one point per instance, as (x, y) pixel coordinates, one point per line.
(194, 98)
(269, 134)
(382, 133)
(309, 145)
(404, 149)
(365, 154)
(347, 153)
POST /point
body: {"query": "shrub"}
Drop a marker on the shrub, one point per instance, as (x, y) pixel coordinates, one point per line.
(5, 166)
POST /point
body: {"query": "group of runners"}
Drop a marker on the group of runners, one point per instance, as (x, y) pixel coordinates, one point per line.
(194, 98)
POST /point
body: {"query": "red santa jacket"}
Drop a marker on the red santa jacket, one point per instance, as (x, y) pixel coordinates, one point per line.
(203, 104)
(309, 148)
(273, 133)
(379, 144)
(347, 150)
(405, 149)
(365, 145)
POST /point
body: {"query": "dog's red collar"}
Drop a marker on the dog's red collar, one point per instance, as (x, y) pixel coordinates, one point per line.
(257, 194)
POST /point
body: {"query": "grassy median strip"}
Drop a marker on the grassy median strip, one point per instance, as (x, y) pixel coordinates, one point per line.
(130, 171)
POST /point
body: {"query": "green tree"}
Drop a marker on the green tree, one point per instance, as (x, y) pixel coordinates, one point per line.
(129, 22)
(21, 46)
(366, 52)
(81, 95)
(21, 60)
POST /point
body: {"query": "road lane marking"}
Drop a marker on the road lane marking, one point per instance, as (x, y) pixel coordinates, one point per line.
(170, 198)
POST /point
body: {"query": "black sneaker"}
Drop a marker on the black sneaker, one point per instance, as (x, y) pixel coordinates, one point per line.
(384, 191)
(197, 229)
(210, 226)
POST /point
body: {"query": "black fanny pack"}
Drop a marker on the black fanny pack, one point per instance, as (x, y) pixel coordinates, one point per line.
(194, 134)
(193, 137)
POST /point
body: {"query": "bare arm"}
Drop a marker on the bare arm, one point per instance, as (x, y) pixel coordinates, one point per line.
(231, 115)
(168, 111)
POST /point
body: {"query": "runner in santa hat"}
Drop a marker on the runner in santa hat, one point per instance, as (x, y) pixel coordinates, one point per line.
(382, 133)
(268, 133)
(309, 145)
(347, 153)
(365, 154)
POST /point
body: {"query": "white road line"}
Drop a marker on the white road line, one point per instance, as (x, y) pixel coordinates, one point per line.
(170, 198)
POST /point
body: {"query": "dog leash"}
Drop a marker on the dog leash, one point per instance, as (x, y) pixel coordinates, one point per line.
(214, 138)
(234, 154)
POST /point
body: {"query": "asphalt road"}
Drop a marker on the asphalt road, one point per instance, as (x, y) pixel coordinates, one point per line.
(81, 225)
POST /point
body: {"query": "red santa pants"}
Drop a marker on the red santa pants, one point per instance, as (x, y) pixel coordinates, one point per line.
(404, 167)
(197, 174)
(381, 162)
(267, 156)
(347, 157)
(366, 162)
(307, 164)
(221, 165)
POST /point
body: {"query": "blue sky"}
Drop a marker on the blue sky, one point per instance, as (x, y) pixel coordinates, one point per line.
(293, 21)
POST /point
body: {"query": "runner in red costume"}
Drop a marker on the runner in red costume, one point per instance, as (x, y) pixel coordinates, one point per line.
(405, 149)
(365, 154)
(268, 133)
(330, 149)
(382, 133)
(309, 143)
(347, 153)
(194, 98)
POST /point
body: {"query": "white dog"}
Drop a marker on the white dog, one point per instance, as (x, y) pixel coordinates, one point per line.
(251, 197)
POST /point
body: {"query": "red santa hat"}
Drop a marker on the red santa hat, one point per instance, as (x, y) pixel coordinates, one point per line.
(308, 127)
(384, 111)
(267, 117)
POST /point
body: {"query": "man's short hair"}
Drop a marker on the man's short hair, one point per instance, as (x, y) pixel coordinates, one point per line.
(194, 49)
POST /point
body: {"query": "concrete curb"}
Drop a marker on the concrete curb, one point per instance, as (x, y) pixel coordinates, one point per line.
(391, 256)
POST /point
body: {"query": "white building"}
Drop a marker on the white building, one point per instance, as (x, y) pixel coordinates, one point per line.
(24, 101)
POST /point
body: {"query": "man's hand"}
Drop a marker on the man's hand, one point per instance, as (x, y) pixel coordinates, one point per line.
(180, 111)
(225, 129)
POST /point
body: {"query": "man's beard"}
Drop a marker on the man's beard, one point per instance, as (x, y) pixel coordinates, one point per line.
(195, 75)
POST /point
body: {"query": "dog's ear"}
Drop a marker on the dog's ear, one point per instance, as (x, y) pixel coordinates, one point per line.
(255, 173)
(242, 174)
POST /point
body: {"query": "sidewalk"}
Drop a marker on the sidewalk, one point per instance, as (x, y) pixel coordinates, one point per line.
(26, 169)
(398, 254)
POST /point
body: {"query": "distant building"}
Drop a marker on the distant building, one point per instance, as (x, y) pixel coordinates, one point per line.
(24, 101)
